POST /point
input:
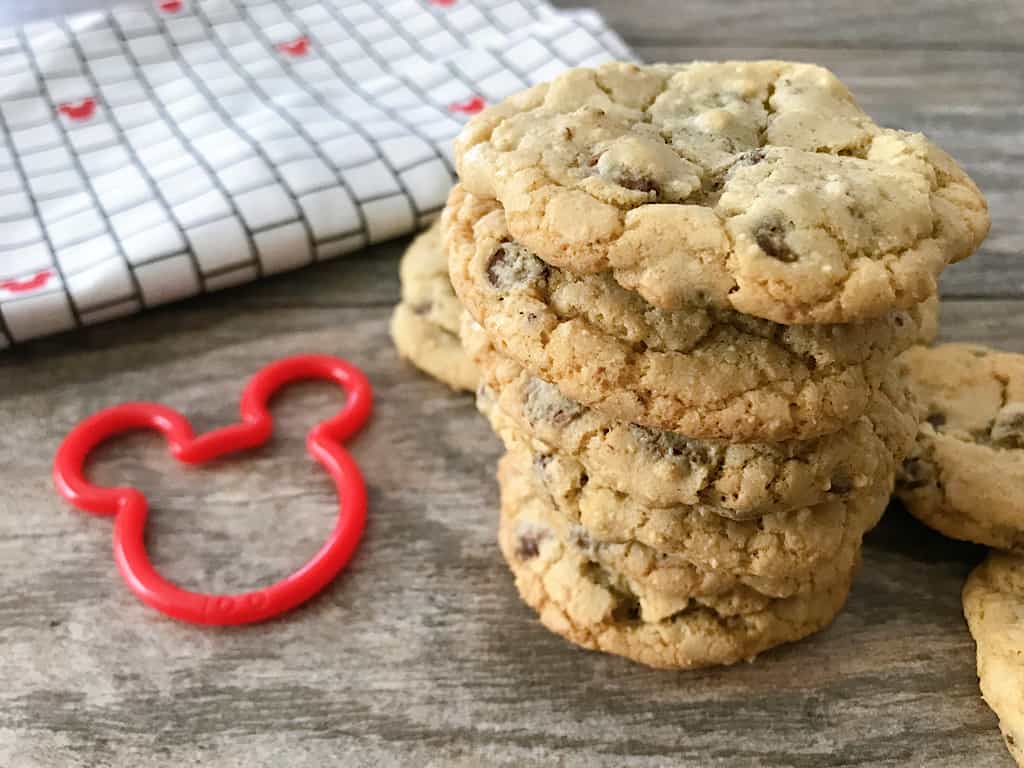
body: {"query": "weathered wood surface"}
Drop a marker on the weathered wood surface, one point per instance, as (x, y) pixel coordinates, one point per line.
(826, 24)
(421, 654)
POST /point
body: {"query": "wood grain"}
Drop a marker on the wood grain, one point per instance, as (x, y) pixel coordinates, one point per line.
(421, 653)
(826, 24)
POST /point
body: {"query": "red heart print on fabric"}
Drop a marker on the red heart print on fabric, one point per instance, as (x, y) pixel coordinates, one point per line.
(26, 284)
(324, 443)
(79, 110)
(297, 47)
(442, 3)
(468, 106)
(171, 6)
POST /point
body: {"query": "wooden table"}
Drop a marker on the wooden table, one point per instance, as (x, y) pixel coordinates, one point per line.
(421, 653)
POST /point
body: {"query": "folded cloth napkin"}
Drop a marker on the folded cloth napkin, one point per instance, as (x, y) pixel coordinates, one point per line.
(155, 151)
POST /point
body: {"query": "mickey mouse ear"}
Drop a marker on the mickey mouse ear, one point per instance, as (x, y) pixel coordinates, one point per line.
(324, 443)
(74, 450)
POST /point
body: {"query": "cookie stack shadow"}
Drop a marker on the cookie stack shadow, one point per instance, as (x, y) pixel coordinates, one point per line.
(685, 484)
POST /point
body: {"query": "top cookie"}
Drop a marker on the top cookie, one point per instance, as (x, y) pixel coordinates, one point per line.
(756, 186)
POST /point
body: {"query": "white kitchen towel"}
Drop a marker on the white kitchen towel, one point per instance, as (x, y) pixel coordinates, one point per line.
(153, 152)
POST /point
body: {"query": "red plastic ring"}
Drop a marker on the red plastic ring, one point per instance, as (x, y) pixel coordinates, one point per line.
(324, 443)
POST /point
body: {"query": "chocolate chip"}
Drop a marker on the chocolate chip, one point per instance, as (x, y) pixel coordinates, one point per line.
(671, 445)
(545, 403)
(1008, 428)
(751, 157)
(636, 182)
(811, 362)
(916, 473)
(841, 484)
(593, 161)
(1010, 740)
(771, 238)
(528, 544)
(626, 609)
(900, 320)
(979, 353)
(423, 308)
(580, 538)
(495, 264)
(710, 189)
(541, 461)
(983, 435)
(513, 265)
(936, 419)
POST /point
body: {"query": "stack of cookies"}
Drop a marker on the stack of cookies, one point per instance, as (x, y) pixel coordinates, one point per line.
(686, 287)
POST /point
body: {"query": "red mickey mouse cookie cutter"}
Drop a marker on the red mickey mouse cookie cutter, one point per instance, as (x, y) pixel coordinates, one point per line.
(129, 506)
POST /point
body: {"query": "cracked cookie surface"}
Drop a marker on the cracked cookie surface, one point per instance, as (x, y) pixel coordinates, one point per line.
(965, 475)
(581, 600)
(735, 480)
(663, 584)
(993, 600)
(757, 186)
(702, 372)
(780, 554)
(425, 324)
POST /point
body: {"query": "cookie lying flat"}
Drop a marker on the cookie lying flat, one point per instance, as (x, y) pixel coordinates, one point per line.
(756, 186)
(778, 555)
(425, 325)
(965, 476)
(700, 372)
(735, 480)
(994, 606)
(580, 600)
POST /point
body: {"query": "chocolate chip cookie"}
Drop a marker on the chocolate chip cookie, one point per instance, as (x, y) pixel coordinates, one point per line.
(657, 468)
(993, 605)
(756, 186)
(425, 324)
(780, 554)
(524, 487)
(702, 372)
(587, 603)
(663, 584)
(965, 476)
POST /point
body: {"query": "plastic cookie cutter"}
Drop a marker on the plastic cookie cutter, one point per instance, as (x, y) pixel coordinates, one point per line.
(129, 506)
